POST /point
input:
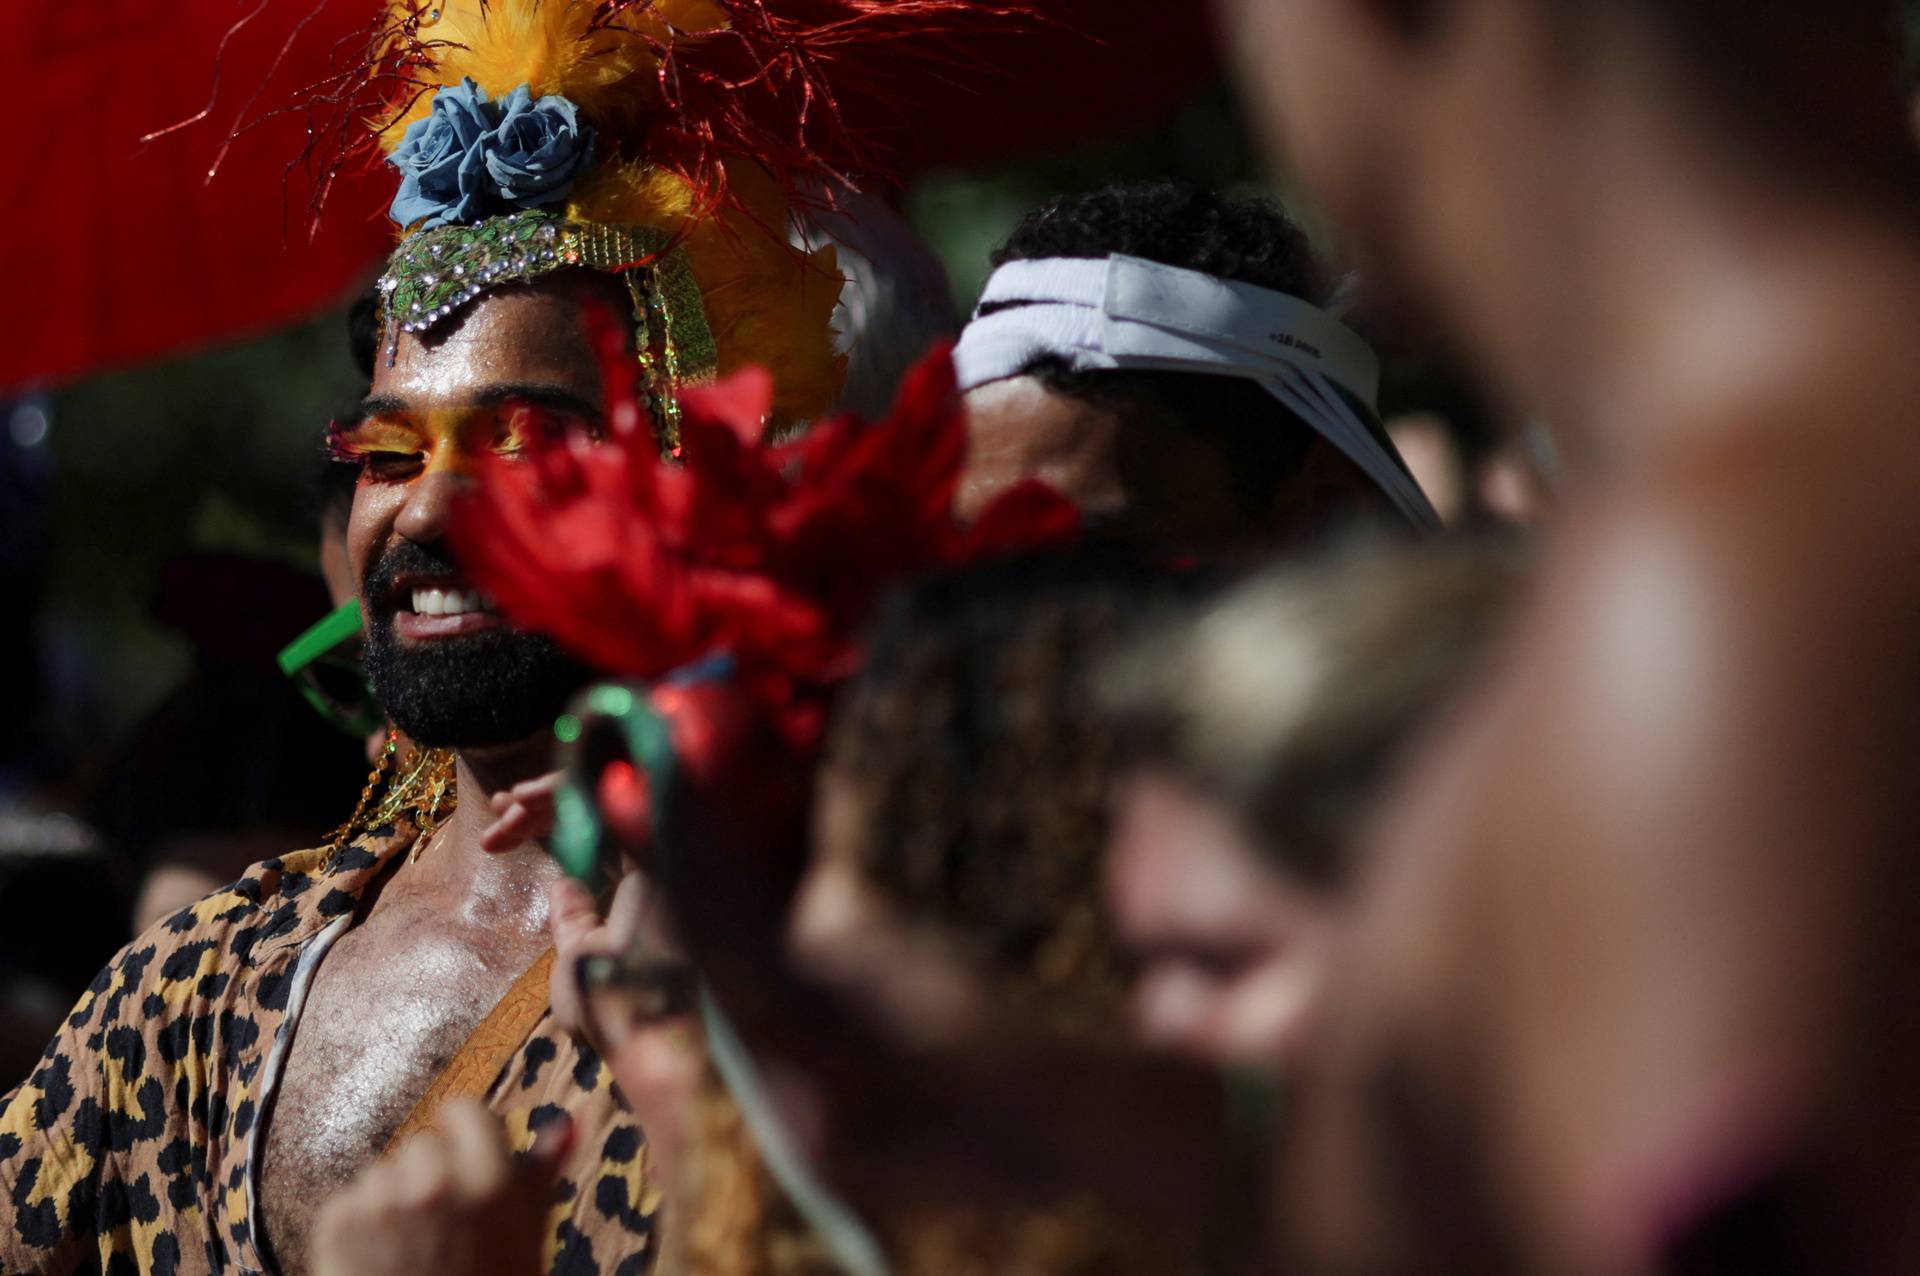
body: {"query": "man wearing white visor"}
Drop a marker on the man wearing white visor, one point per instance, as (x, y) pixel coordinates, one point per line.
(1167, 358)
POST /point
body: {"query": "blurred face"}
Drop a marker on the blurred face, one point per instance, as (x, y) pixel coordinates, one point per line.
(446, 667)
(1233, 954)
(1315, 76)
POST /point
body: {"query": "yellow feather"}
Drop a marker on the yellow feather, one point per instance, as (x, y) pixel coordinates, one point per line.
(545, 44)
(767, 303)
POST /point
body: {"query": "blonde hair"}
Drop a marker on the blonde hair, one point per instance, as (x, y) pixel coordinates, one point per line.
(1290, 699)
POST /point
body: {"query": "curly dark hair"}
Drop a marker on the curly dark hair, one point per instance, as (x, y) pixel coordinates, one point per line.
(977, 747)
(980, 764)
(1246, 240)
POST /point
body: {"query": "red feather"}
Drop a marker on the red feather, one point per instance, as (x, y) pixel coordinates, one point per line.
(774, 554)
(777, 85)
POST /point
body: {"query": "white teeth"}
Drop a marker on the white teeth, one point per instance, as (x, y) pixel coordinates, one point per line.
(449, 602)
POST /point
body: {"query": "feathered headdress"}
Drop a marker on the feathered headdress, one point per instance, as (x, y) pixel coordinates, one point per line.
(667, 141)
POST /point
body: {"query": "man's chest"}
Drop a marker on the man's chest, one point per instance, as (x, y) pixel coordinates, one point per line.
(387, 1010)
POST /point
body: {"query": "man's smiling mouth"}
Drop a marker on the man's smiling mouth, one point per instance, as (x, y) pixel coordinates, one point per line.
(424, 610)
(428, 601)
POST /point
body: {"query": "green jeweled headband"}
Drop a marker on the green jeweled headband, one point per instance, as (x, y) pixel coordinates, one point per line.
(436, 273)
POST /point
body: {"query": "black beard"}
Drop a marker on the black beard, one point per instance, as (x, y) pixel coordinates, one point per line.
(492, 688)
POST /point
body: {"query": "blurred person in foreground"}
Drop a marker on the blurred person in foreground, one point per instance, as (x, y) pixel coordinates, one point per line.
(1021, 736)
(240, 1061)
(1169, 358)
(1631, 984)
(1257, 738)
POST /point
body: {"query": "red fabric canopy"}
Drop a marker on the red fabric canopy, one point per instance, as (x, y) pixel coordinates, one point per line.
(119, 250)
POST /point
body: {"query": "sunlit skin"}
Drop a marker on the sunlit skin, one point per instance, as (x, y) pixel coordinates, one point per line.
(416, 451)
(463, 922)
(1018, 429)
(1143, 482)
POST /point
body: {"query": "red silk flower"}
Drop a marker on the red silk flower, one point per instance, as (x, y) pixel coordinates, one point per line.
(774, 554)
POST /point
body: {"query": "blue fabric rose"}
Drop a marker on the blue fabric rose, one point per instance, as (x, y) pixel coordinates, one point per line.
(442, 160)
(538, 149)
(472, 157)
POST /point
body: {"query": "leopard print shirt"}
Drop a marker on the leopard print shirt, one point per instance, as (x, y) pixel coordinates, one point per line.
(129, 1149)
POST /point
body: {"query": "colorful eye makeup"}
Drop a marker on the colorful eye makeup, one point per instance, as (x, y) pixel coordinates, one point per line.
(399, 446)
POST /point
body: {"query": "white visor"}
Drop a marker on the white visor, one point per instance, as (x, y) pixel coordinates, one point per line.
(1127, 313)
